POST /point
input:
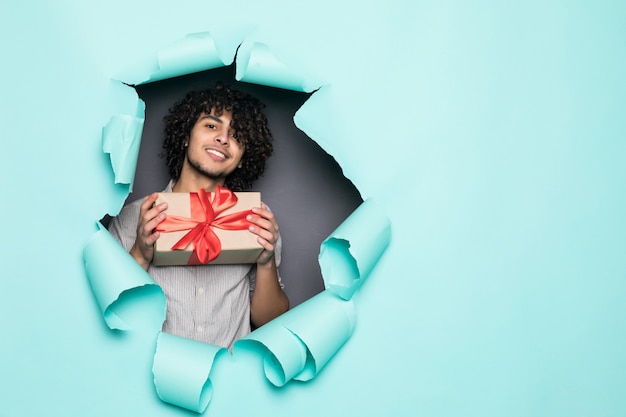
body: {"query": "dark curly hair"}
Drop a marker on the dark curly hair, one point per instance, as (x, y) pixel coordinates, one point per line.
(248, 121)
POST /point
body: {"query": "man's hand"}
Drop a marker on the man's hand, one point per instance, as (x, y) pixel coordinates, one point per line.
(149, 217)
(264, 225)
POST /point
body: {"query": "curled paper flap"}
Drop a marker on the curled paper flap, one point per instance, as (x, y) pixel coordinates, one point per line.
(121, 138)
(324, 324)
(257, 64)
(127, 296)
(284, 355)
(302, 341)
(321, 105)
(350, 252)
(181, 370)
(194, 53)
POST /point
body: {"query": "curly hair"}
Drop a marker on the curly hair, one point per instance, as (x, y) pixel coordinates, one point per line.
(248, 121)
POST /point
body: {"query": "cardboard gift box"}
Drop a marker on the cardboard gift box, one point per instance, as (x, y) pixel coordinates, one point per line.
(207, 228)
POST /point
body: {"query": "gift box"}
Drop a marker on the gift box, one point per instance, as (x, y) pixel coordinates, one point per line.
(207, 228)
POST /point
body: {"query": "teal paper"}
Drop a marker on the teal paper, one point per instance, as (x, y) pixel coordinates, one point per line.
(323, 120)
(121, 138)
(323, 323)
(496, 129)
(284, 355)
(321, 105)
(194, 53)
(127, 296)
(181, 371)
(256, 64)
(348, 255)
(302, 341)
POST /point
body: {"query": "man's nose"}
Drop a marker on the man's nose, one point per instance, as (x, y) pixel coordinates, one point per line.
(222, 139)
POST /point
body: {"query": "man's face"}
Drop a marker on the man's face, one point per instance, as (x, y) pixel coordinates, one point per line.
(213, 149)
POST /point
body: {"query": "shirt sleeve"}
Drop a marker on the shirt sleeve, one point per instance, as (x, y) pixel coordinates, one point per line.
(124, 226)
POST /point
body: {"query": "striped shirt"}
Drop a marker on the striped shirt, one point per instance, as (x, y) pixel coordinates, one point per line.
(209, 303)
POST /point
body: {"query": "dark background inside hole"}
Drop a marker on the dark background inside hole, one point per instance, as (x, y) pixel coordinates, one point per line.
(303, 185)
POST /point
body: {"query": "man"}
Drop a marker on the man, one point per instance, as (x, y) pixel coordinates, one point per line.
(216, 137)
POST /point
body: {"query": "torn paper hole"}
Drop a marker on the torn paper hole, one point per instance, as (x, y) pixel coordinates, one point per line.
(296, 345)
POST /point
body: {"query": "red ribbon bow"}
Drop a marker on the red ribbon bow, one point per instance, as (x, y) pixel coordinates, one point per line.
(204, 212)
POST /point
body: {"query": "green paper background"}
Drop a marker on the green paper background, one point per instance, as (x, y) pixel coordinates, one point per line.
(493, 134)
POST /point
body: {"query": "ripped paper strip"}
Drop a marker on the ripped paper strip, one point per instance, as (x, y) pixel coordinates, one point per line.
(194, 53)
(127, 296)
(298, 344)
(121, 138)
(257, 64)
(349, 254)
(181, 371)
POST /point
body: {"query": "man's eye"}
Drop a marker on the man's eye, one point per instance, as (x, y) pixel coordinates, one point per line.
(210, 126)
(234, 135)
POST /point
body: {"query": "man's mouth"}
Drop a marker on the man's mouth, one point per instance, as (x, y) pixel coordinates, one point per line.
(216, 153)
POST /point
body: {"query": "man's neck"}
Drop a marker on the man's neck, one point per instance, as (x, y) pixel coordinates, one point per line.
(187, 184)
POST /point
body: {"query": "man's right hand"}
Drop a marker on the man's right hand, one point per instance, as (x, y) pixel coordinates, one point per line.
(149, 217)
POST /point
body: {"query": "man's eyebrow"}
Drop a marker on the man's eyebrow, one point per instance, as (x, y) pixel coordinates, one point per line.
(216, 119)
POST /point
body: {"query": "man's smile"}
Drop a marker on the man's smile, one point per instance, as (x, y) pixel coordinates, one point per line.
(216, 154)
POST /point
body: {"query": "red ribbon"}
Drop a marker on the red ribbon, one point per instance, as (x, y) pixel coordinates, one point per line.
(204, 217)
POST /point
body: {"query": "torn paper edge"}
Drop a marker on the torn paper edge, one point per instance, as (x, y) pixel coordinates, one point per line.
(180, 362)
(367, 233)
(108, 292)
(299, 344)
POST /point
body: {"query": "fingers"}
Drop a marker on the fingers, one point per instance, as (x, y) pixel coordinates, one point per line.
(152, 218)
(149, 217)
(264, 225)
(148, 202)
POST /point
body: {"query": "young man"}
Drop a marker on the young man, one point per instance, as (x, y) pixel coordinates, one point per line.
(216, 137)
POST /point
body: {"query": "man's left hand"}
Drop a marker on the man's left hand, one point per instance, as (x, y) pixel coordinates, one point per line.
(264, 225)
